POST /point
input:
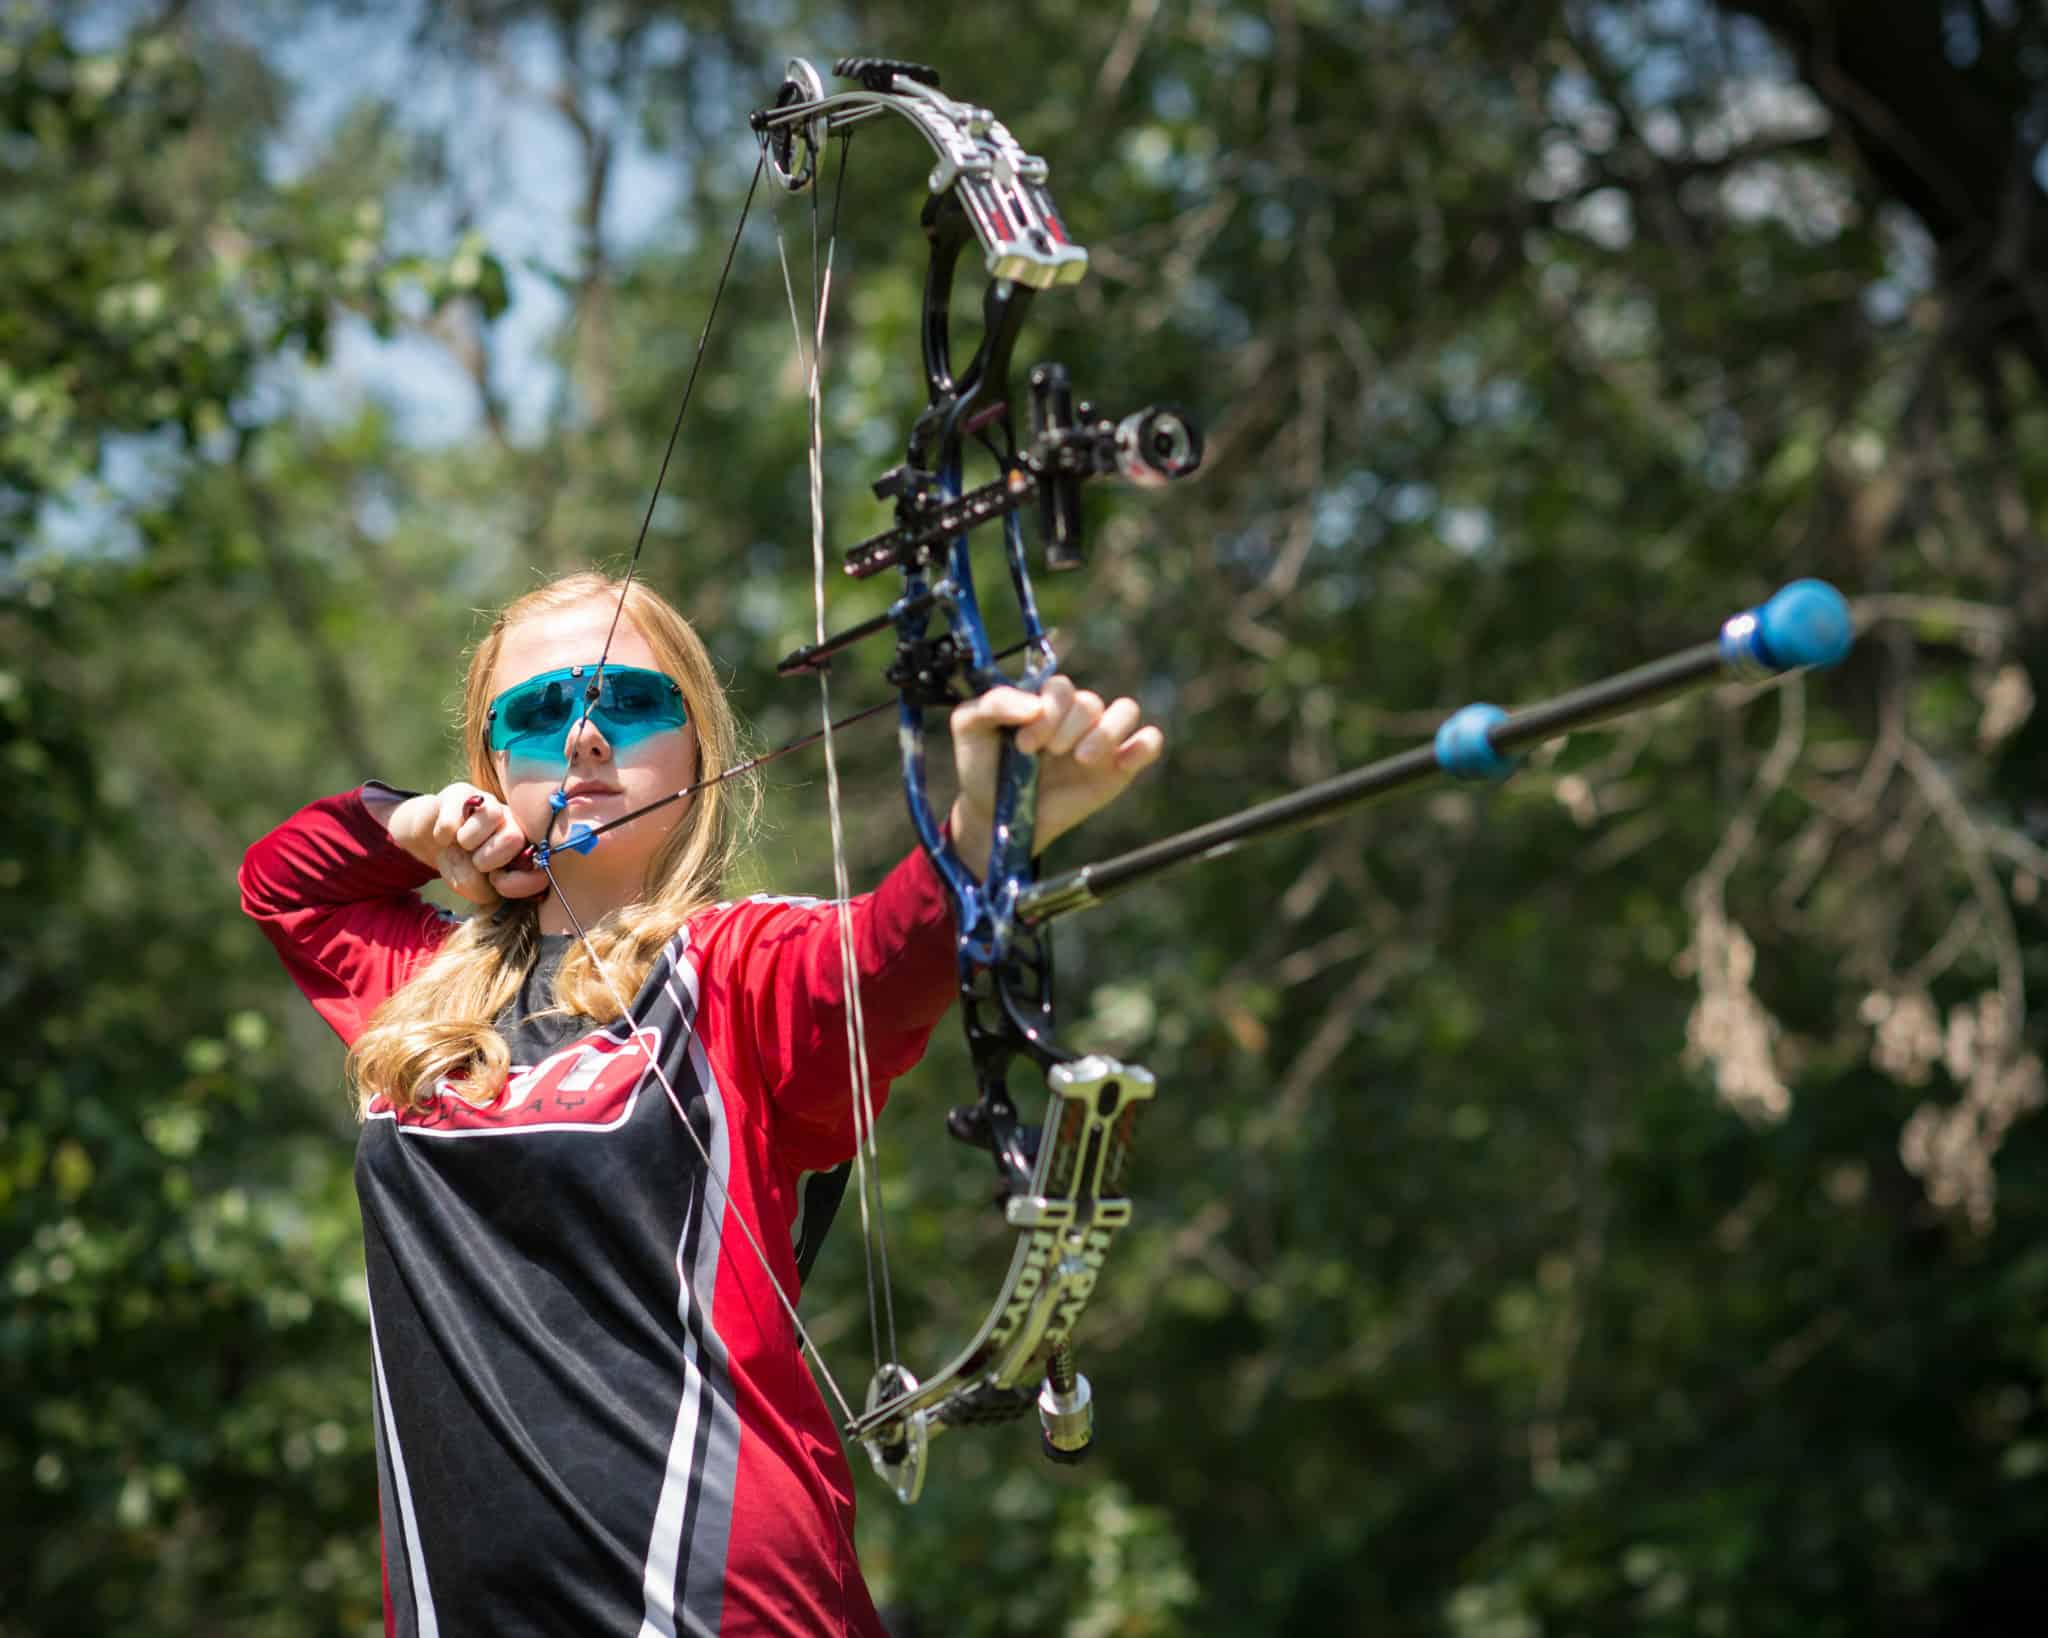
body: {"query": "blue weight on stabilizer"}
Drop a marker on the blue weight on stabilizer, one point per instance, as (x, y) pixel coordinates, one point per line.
(1464, 751)
(1805, 624)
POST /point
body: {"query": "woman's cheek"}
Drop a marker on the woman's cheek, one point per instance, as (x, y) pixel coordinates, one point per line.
(521, 769)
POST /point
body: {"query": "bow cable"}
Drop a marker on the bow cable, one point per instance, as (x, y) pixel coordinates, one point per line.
(590, 693)
(866, 1154)
(866, 1157)
(653, 1052)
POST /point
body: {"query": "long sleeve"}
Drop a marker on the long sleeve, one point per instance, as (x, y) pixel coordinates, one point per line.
(339, 901)
(777, 960)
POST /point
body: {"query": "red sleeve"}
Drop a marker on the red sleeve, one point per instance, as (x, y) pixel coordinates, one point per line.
(339, 900)
(777, 960)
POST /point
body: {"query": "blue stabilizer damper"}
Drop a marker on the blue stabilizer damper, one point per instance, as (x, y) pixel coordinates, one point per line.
(1462, 748)
(1804, 624)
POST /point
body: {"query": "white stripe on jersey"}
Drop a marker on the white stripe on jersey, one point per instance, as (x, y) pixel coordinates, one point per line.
(422, 1594)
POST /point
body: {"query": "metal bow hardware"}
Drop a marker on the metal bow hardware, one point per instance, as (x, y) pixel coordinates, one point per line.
(1060, 1181)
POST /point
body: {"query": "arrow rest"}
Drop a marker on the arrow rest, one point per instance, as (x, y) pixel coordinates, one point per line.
(925, 668)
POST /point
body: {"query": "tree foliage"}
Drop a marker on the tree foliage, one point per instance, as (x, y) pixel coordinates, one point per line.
(1606, 1203)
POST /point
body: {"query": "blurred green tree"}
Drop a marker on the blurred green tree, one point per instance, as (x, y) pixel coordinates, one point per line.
(1604, 1204)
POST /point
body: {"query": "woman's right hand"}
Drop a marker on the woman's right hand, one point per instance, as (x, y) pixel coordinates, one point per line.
(469, 836)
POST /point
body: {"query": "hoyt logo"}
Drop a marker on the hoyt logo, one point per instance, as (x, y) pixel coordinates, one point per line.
(1043, 1253)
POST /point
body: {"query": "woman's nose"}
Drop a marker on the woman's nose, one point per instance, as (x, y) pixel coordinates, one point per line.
(587, 743)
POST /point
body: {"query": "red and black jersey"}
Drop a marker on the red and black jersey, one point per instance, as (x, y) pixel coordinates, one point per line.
(592, 1413)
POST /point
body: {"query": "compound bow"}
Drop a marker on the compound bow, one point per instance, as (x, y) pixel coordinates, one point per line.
(1061, 1181)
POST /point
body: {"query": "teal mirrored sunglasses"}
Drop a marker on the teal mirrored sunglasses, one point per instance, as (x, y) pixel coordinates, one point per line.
(627, 703)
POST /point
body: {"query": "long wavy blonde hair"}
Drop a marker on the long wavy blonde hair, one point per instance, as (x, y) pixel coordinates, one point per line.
(441, 1024)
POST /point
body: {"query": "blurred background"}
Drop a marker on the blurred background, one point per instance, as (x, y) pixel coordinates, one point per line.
(1608, 1204)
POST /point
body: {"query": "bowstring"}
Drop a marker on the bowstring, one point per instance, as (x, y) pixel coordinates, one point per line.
(866, 1154)
(635, 1032)
(591, 692)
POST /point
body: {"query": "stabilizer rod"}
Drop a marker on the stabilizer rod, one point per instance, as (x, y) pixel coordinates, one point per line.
(1806, 624)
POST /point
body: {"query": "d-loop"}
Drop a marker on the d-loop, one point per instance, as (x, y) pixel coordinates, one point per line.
(1022, 1355)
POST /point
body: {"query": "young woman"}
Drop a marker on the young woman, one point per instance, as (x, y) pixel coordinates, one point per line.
(592, 1413)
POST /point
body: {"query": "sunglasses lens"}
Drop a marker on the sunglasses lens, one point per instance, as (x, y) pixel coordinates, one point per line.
(540, 708)
(534, 718)
(635, 696)
(637, 705)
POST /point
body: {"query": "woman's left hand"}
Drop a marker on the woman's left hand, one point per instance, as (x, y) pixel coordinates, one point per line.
(1088, 753)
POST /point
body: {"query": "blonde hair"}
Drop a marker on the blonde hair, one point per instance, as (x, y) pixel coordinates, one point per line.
(442, 1023)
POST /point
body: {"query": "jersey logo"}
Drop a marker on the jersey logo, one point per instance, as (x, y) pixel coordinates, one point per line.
(588, 1086)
